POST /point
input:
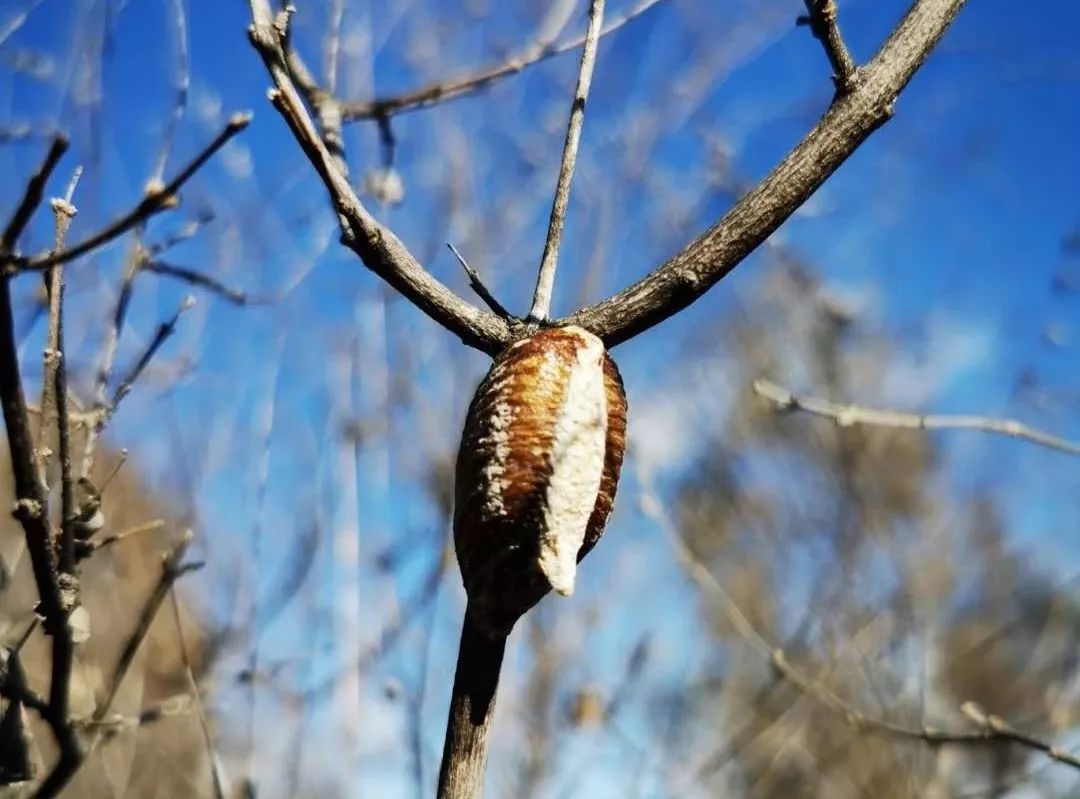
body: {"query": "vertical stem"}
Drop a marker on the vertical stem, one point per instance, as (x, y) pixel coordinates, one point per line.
(472, 706)
(545, 281)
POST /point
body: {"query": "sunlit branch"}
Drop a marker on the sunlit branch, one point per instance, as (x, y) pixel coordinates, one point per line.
(821, 17)
(847, 123)
(850, 415)
(545, 282)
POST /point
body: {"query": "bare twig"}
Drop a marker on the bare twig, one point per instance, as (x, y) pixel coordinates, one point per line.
(181, 86)
(161, 335)
(56, 375)
(63, 212)
(193, 688)
(474, 82)
(849, 415)
(545, 282)
(323, 102)
(196, 278)
(172, 568)
(848, 122)
(379, 249)
(123, 535)
(157, 198)
(32, 197)
(187, 231)
(478, 286)
(821, 17)
(109, 347)
(31, 509)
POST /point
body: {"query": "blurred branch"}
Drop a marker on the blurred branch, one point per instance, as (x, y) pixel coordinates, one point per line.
(172, 568)
(379, 249)
(57, 599)
(821, 17)
(161, 335)
(992, 729)
(444, 91)
(123, 535)
(545, 282)
(157, 198)
(196, 278)
(196, 693)
(848, 122)
(848, 415)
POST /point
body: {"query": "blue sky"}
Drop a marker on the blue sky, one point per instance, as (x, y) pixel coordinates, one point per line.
(945, 229)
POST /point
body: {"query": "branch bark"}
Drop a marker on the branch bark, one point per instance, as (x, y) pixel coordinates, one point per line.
(472, 707)
(848, 122)
(545, 281)
(379, 249)
(847, 415)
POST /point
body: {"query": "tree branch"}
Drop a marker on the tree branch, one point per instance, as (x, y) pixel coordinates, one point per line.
(472, 707)
(172, 568)
(992, 729)
(821, 17)
(31, 508)
(445, 91)
(157, 198)
(197, 278)
(379, 249)
(545, 282)
(848, 122)
(848, 415)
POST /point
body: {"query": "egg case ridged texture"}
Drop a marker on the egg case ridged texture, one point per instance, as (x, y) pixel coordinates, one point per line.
(504, 467)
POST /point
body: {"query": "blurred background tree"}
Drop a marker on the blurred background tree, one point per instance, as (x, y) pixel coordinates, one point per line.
(302, 419)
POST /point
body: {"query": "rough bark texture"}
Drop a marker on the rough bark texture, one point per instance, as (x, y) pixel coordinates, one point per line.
(472, 706)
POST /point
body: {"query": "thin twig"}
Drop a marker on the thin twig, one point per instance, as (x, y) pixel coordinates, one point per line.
(181, 85)
(196, 278)
(323, 102)
(472, 707)
(193, 688)
(63, 212)
(821, 17)
(849, 415)
(32, 197)
(187, 231)
(157, 198)
(478, 286)
(473, 82)
(172, 568)
(110, 345)
(161, 335)
(123, 535)
(545, 281)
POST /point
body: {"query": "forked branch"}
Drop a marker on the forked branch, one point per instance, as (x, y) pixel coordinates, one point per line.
(848, 122)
